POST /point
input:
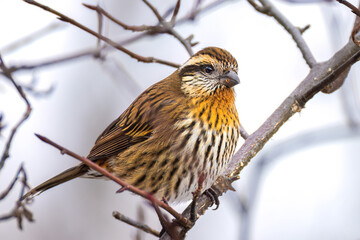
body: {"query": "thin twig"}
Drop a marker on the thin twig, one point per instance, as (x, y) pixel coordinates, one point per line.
(12, 184)
(162, 27)
(168, 27)
(195, 8)
(243, 132)
(19, 212)
(100, 29)
(270, 10)
(169, 228)
(92, 51)
(354, 9)
(31, 38)
(25, 116)
(125, 186)
(103, 38)
(136, 224)
(2, 125)
(102, 11)
(175, 13)
(154, 10)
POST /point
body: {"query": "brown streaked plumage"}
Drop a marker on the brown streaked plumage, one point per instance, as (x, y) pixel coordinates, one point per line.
(178, 129)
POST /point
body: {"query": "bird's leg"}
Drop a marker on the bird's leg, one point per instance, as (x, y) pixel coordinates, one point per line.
(196, 195)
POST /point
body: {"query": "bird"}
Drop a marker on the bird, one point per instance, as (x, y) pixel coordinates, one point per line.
(182, 128)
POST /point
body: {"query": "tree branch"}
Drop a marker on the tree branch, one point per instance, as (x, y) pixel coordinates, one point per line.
(133, 223)
(354, 9)
(162, 27)
(91, 52)
(25, 116)
(103, 38)
(269, 9)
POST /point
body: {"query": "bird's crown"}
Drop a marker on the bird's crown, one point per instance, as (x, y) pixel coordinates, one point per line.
(208, 71)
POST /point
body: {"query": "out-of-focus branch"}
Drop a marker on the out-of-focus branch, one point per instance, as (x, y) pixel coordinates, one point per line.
(31, 38)
(136, 224)
(103, 38)
(2, 125)
(269, 9)
(20, 211)
(25, 116)
(183, 221)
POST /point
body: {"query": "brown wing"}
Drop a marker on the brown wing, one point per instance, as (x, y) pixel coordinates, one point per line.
(117, 137)
(130, 128)
(141, 119)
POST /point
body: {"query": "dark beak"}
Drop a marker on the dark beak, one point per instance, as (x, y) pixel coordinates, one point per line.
(230, 79)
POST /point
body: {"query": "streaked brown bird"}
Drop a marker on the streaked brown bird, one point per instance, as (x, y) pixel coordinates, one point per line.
(179, 129)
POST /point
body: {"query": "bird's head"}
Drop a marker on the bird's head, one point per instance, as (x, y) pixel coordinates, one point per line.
(208, 71)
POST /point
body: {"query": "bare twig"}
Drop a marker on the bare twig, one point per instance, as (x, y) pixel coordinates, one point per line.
(37, 92)
(2, 125)
(102, 11)
(162, 27)
(195, 8)
(154, 10)
(349, 5)
(92, 51)
(25, 116)
(168, 227)
(243, 132)
(270, 10)
(103, 38)
(100, 29)
(19, 211)
(175, 13)
(12, 184)
(30, 38)
(136, 224)
(125, 186)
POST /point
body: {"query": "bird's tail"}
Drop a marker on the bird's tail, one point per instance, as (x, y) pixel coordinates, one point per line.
(65, 176)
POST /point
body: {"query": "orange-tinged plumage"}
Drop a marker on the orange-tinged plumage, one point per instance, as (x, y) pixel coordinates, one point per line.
(179, 129)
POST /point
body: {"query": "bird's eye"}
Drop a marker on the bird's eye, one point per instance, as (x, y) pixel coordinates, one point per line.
(208, 69)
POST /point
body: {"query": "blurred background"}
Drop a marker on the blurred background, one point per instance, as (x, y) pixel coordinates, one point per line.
(302, 185)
